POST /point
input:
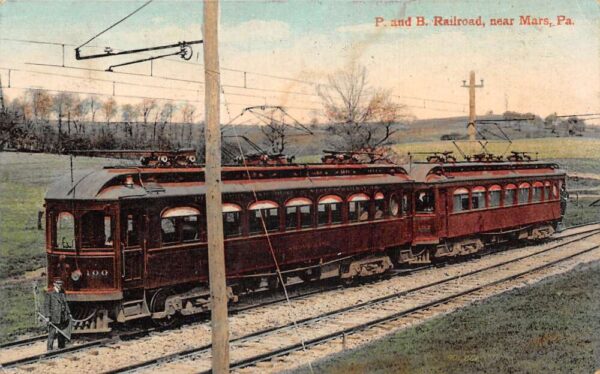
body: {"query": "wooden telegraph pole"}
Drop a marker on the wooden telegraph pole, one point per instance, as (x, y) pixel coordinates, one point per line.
(214, 220)
(472, 116)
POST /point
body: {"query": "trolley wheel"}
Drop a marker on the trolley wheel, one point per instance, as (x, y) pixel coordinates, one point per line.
(157, 304)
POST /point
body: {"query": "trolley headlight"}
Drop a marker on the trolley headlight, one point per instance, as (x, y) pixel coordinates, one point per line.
(76, 275)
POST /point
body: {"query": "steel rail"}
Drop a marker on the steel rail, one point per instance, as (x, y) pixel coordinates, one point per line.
(74, 348)
(177, 356)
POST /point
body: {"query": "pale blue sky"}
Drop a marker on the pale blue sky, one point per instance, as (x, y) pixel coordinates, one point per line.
(540, 69)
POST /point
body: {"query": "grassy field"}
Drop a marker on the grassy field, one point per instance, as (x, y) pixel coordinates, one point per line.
(551, 327)
(546, 148)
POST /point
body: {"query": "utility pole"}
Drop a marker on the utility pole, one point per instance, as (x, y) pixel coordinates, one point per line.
(214, 220)
(472, 116)
(1, 96)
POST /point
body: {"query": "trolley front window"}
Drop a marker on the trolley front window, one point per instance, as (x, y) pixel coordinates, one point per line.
(96, 230)
(64, 231)
(425, 202)
(131, 229)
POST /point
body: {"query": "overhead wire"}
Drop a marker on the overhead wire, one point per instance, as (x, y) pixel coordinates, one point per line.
(116, 23)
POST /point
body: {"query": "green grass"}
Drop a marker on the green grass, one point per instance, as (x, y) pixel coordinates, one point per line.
(546, 148)
(551, 327)
(17, 312)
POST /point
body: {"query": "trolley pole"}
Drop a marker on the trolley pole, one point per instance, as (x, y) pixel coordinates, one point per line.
(214, 220)
(472, 116)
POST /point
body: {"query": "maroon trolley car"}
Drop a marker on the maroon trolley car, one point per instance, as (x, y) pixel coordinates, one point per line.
(131, 242)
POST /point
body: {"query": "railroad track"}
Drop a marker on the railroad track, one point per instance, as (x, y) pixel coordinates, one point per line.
(283, 340)
(206, 348)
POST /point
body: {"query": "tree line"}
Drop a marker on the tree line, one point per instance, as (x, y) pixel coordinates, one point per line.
(58, 123)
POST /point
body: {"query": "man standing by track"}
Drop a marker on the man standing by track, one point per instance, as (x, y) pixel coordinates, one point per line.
(58, 315)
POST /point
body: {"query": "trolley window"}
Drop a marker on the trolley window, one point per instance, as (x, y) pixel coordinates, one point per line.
(405, 204)
(358, 207)
(379, 203)
(232, 220)
(478, 197)
(298, 213)
(538, 192)
(461, 199)
(524, 193)
(264, 211)
(180, 224)
(495, 192)
(329, 210)
(425, 201)
(547, 191)
(96, 230)
(131, 228)
(510, 195)
(394, 206)
(64, 237)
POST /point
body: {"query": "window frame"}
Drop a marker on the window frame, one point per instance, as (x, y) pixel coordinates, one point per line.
(481, 191)
(80, 231)
(333, 199)
(461, 191)
(359, 200)
(511, 187)
(431, 204)
(297, 203)
(495, 188)
(379, 198)
(263, 206)
(55, 227)
(177, 219)
(524, 186)
(228, 208)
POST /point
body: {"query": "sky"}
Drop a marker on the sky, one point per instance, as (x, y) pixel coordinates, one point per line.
(527, 68)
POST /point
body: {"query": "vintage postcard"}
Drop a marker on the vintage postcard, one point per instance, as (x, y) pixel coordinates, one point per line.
(397, 186)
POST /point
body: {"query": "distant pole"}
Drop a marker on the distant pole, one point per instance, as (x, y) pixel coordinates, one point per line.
(214, 220)
(1, 96)
(472, 116)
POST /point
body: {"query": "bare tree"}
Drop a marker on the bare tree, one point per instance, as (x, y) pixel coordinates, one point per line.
(129, 113)
(109, 109)
(167, 112)
(41, 103)
(360, 118)
(21, 108)
(79, 111)
(275, 136)
(62, 104)
(187, 113)
(146, 107)
(92, 104)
